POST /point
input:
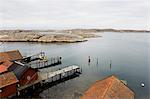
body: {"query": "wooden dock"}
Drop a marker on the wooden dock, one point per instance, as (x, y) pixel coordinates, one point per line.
(44, 63)
(40, 61)
(53, 76)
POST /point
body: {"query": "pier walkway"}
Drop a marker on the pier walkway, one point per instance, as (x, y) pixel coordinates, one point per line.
(53, 76)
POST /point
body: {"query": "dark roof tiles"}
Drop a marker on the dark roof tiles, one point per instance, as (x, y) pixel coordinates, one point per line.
(18, 69)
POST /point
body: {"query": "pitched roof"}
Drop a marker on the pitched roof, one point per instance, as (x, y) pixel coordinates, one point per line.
(10, 55)
(108, 88)
(18, 69)
(4, 66)
(7, 63)
(7, 79)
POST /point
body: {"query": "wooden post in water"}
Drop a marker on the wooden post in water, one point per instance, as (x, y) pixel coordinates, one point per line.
(89, 59)
(110, 64)
(97, 62)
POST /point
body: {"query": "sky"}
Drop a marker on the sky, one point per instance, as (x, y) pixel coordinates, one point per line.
(64, 14)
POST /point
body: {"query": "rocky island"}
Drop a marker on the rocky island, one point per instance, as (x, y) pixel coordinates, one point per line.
(43, 36)
(48, 36)
(34, 37)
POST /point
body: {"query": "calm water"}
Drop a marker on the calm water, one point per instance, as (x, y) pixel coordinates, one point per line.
(129, 52)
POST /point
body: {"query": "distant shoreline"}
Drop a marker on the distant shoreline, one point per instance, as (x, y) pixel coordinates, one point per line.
(83, 30)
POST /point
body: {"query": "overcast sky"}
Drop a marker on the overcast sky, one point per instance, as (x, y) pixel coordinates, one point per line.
(61, 14)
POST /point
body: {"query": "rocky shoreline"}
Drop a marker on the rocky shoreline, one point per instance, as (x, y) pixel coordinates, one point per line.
(61, 36)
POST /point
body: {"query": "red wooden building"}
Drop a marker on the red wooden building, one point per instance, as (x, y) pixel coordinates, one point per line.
(8, 82)
(24, 73)
(14, 73)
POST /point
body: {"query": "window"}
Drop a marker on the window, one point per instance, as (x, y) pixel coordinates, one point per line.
(0, 90)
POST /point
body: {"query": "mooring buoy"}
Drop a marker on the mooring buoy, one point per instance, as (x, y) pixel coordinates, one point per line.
(142, 84)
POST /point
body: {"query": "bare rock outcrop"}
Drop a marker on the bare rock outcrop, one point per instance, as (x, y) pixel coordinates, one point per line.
(37, 37)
